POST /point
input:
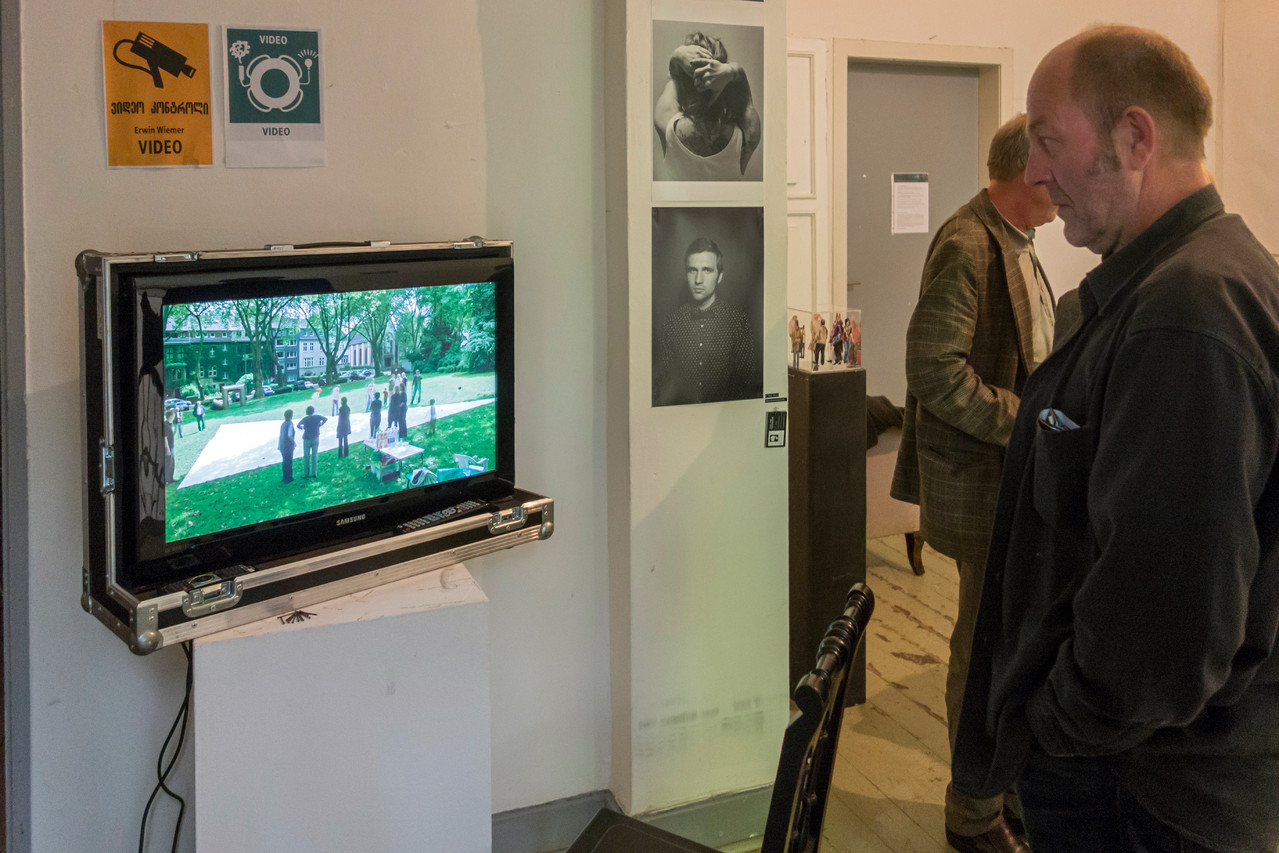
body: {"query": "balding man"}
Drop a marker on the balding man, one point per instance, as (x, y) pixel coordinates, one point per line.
(1125, 672)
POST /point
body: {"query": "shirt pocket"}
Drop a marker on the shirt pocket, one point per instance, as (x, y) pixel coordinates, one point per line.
(1063, 460)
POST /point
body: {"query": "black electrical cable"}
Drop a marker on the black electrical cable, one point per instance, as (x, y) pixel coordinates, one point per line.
(161, 770)
(115, 53)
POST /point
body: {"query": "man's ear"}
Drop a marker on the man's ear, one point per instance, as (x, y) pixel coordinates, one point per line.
(1135, 138)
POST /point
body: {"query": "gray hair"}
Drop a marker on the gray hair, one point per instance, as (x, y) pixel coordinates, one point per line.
(1009, 150)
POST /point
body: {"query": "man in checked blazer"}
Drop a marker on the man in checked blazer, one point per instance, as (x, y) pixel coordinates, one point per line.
(984, 320)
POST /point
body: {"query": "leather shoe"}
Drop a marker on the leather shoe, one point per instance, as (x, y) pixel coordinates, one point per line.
(1015, 824)
(998, 839)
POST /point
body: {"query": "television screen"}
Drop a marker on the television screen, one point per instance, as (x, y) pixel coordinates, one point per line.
(283, 405)
(263, 404)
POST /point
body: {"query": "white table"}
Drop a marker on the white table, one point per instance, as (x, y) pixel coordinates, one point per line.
(390, 456)
(365, 727)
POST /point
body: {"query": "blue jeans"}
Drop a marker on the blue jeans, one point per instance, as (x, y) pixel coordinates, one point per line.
(310, 450)
(1082, 805)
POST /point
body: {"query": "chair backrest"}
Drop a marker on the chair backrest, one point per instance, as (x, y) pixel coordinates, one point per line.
(812, 736)
(466, 462)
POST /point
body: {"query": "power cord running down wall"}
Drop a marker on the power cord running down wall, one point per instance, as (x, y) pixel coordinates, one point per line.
(162, 770)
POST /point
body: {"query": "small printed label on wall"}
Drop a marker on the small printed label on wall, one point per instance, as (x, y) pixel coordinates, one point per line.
(910, 203)
(273, 96)
(774, 429)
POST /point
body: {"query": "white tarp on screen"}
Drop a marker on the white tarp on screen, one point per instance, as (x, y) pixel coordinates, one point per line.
(240, 447)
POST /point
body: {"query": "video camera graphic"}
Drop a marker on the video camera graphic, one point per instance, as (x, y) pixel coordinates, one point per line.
(157, 56)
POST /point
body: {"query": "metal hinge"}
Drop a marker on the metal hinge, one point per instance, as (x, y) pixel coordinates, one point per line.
(108, 467)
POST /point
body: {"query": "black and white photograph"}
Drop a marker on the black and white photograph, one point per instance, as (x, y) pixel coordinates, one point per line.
(708, 304)
(708, 95)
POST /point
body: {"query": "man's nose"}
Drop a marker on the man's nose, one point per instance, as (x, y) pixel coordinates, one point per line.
(1037, 171)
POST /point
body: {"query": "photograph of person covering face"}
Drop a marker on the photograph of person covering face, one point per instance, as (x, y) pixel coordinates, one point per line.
(707, 96)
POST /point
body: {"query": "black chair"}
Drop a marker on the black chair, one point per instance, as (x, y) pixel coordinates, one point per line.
(803, 772)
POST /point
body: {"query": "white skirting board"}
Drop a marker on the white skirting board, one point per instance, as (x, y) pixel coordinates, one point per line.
(363, 727)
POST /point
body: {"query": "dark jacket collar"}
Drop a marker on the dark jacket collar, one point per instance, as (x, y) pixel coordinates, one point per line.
(1109, 278)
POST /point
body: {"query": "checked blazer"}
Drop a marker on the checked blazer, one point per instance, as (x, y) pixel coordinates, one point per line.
(968, 352)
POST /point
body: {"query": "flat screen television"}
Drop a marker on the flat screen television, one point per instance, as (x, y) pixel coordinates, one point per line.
(245, 408)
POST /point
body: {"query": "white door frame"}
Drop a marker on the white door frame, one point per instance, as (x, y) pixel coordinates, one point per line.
(808, 204)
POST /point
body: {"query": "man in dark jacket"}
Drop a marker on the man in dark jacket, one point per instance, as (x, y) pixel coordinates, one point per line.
(1125, 671)
(983, 321)
(400, 411)
(375, 414)
(286, 444)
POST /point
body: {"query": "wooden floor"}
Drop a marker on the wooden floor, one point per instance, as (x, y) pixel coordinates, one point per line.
(894, 759)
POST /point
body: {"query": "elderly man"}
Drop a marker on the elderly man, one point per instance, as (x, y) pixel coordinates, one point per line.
(984, 320)
(1125, 672)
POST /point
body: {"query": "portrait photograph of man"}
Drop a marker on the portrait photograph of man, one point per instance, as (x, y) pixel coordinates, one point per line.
(708, 304)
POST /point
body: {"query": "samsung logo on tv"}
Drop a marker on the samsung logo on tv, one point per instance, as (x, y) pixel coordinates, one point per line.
(351, 519)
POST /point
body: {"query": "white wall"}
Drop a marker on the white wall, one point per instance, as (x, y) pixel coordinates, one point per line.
(700, 591)
(1030, 29)
(542, 79)
(444, 120)
(1247, 115)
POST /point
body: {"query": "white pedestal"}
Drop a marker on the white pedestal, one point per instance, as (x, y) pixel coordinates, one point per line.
(363, 728)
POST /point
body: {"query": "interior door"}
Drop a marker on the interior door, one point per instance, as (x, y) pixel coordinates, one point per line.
(909, 118)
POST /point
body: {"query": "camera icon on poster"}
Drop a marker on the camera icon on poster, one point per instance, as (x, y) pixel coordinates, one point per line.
(261, 77)
(157, 56)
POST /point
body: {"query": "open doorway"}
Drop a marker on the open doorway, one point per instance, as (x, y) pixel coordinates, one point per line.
(906, 110)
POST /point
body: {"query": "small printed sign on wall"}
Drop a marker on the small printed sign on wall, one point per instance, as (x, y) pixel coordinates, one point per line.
(910, 203)
(156, 82)
(274, 97)
(775, 429)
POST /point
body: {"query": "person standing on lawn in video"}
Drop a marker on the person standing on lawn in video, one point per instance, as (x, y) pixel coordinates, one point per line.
(287, 443)
(311, 441)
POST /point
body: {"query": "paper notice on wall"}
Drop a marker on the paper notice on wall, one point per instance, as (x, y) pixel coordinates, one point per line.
(274, 114)
(156, 81)
(910, 203)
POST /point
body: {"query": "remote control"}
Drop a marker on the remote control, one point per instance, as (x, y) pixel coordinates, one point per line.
(445, 514)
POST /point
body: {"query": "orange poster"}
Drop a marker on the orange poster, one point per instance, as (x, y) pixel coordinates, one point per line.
(157, 94)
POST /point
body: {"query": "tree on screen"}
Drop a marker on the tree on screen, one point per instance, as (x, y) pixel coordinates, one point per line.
(374, 311)
(411, 310)
(332, 317)
(258, 318)
(194, 315)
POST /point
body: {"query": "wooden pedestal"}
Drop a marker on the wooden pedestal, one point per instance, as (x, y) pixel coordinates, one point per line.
(827, 508)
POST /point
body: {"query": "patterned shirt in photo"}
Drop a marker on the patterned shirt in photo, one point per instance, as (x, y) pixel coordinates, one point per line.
(704, 357)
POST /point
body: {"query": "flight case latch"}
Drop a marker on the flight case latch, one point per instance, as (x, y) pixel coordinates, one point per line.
(506, 520)
(204, 600)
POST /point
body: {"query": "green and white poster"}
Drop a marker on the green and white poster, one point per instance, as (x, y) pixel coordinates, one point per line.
(273, 95)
